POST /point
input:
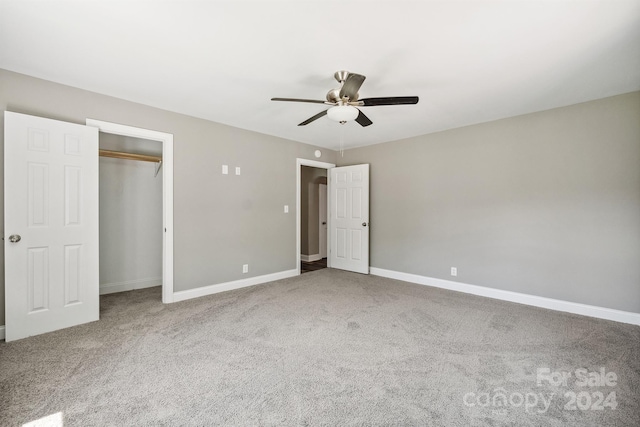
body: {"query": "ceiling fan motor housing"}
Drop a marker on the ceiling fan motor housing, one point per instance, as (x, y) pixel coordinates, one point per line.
(333, 95)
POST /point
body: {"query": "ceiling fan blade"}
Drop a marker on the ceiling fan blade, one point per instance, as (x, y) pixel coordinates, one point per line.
(363, 120)
(390, 100)
(351, 86)
(298, 100)
(316, 117)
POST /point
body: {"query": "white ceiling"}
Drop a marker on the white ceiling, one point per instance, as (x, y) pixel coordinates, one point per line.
(468, 61)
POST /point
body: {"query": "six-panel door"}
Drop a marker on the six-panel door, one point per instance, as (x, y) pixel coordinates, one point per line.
(51, 202)
(350, 218)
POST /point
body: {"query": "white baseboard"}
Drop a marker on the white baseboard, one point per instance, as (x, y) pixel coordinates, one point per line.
(228, 286)
(110, 288)
(550, 303)
(310, 258)
(2, 335)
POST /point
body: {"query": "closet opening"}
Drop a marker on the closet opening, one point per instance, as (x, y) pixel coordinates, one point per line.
(131, 214)
(135, 142)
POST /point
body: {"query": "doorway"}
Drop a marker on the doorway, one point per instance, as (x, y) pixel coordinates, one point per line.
(166, 171)
(313, 220)
(130, 193)
(312, 179)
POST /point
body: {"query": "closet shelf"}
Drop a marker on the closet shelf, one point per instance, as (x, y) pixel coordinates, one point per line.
(130, 156)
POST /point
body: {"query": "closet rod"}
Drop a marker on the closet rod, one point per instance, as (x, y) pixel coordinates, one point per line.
(130, 156)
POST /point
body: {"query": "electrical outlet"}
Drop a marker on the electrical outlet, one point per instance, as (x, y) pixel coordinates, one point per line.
(245, 268)
(454, 271)
(237, 170)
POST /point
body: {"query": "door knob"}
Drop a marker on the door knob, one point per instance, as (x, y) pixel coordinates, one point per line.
(14, 238)
(324, 223)
(364, 224)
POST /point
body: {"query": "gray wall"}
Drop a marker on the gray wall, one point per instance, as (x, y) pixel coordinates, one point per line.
(221, 221)
(130, 214)
(545, 204)
(310, 178)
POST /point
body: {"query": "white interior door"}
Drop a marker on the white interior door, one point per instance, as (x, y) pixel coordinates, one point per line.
(349, 187)
(51, 225)
(322, 216)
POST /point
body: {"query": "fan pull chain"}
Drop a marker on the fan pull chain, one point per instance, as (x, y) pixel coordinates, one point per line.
(342, 140)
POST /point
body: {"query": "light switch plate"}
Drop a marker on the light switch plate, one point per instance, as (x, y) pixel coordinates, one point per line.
(286, 208)
(225, 169)
(237, 170)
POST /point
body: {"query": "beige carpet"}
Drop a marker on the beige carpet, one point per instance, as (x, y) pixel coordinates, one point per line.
(324, 348)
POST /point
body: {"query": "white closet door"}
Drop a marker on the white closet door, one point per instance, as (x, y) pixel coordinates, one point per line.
(51, 225)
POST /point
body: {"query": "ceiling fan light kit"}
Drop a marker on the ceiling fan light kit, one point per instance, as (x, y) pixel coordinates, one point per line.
(345, 100)
(342, 113)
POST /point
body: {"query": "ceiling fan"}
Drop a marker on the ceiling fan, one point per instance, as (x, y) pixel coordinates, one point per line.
(344, 101)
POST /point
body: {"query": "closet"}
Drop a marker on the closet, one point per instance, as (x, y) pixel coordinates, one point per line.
(130, 213)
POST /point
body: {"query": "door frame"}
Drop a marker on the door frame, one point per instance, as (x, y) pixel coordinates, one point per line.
(324, 229)
(314, 164)
(167, 192)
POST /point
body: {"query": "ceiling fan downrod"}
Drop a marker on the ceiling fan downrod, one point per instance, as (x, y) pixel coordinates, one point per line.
(341, 76)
